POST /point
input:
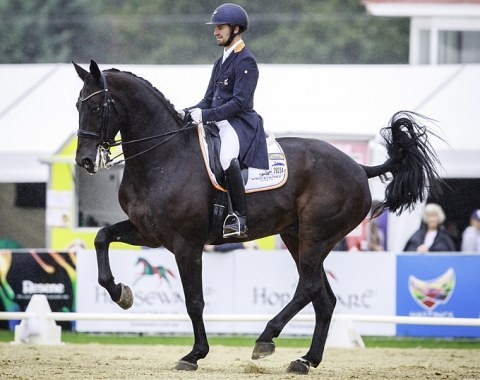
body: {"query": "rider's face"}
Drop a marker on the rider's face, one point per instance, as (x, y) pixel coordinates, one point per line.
(221, 34)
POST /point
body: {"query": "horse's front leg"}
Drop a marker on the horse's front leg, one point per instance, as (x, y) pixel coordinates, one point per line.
(189, 262)
(124, 232)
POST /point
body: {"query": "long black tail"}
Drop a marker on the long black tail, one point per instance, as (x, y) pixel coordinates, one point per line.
(412, 162)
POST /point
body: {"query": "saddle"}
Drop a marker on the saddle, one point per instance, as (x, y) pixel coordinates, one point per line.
(254, 179)
(213, 142)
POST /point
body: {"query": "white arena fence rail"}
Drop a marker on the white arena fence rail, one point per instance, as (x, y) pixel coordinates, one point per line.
(60, 316)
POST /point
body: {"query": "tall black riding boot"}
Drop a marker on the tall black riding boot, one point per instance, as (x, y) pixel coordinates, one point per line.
(235, 225)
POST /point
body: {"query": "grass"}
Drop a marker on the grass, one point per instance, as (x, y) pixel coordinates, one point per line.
(249, 341)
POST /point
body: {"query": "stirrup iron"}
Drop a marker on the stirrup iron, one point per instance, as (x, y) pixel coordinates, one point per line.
(230, 219)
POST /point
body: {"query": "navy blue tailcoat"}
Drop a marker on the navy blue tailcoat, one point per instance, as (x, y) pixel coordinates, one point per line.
(229, 96)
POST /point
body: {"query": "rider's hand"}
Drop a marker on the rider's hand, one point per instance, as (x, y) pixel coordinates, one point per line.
(196, 115)
(181, 113)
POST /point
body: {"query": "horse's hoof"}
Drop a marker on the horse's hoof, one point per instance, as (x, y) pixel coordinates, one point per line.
(183, 365)
(126, 298)
(299, 367)
(263, 349)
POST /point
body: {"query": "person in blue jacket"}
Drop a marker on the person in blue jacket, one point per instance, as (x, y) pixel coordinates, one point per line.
(228, 102)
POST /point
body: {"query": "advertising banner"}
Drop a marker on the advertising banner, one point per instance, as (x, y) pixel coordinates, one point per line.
(264, 283)
(364, 284)
(239, 282)
(24, 273)
(153, 276)
(440, 285)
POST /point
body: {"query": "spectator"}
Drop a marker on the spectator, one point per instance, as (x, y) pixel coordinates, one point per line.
(377, 230)
(341, 245)
(471, 234)
(432, 236)
(376, 240)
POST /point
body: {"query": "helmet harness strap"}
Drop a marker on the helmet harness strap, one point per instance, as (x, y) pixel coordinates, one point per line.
(232, 35)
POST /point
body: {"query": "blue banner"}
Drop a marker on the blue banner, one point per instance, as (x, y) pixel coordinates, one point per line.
(438, 285)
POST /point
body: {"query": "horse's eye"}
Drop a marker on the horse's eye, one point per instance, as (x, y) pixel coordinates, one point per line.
(95, 109)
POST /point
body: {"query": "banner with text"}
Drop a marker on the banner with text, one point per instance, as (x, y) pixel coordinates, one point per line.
(25, 272)
(239, 282)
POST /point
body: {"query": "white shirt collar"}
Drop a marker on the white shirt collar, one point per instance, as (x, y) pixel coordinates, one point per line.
(226, 53)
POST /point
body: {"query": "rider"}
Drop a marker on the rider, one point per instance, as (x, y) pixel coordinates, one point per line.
(228, 102)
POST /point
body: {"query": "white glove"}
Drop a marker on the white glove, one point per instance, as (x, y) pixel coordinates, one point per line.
(196, 115)
(181, 113)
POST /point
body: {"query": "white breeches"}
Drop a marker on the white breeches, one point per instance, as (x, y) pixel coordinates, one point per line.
(230, 146)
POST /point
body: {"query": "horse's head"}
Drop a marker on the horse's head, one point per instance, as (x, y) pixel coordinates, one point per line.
(96, 131)
(141, 260)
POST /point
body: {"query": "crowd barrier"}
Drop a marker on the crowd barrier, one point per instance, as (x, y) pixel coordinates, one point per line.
(38, 322)
(379, 293)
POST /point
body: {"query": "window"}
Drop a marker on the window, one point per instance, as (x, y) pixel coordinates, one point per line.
(424, 46)
(458, 47)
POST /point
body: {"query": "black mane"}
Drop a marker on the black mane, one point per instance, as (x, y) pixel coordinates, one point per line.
(167, 101)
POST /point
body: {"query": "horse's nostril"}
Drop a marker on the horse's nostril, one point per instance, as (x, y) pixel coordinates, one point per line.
(88, 165)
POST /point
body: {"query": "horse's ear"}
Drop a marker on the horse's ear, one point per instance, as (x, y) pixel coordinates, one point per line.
(94, 69)
(82, 73)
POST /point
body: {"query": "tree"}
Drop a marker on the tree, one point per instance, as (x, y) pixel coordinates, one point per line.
(166, 32)
(46, 31)
(282, 31)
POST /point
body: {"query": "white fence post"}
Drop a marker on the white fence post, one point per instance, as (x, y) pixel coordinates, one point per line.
(38, 328)
(342, 334)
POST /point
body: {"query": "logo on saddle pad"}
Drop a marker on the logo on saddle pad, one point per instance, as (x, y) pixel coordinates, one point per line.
(258, 179)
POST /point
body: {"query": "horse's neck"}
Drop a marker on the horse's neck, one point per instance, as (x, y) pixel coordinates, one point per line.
(167, 157)
(154, 124)
(166, 150)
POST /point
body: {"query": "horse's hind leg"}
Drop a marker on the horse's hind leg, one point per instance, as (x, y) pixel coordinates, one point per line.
(323, 300)
(312, 287)
(264, 345)
(124, 232)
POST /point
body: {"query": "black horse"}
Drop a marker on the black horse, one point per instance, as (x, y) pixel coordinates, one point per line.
(167, 195)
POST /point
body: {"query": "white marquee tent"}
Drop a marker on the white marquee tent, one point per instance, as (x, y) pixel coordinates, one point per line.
(37, 106)
(38, 115)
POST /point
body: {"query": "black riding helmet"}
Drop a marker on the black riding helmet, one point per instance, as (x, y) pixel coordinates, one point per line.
(230, 14)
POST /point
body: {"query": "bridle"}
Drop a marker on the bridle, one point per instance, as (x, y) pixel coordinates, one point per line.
(103, 160)
(107, 100)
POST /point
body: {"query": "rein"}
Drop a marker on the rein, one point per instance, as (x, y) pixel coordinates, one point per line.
(110, 162)
(103, 159)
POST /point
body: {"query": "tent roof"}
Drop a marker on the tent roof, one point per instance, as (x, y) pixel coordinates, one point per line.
(37, 104)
